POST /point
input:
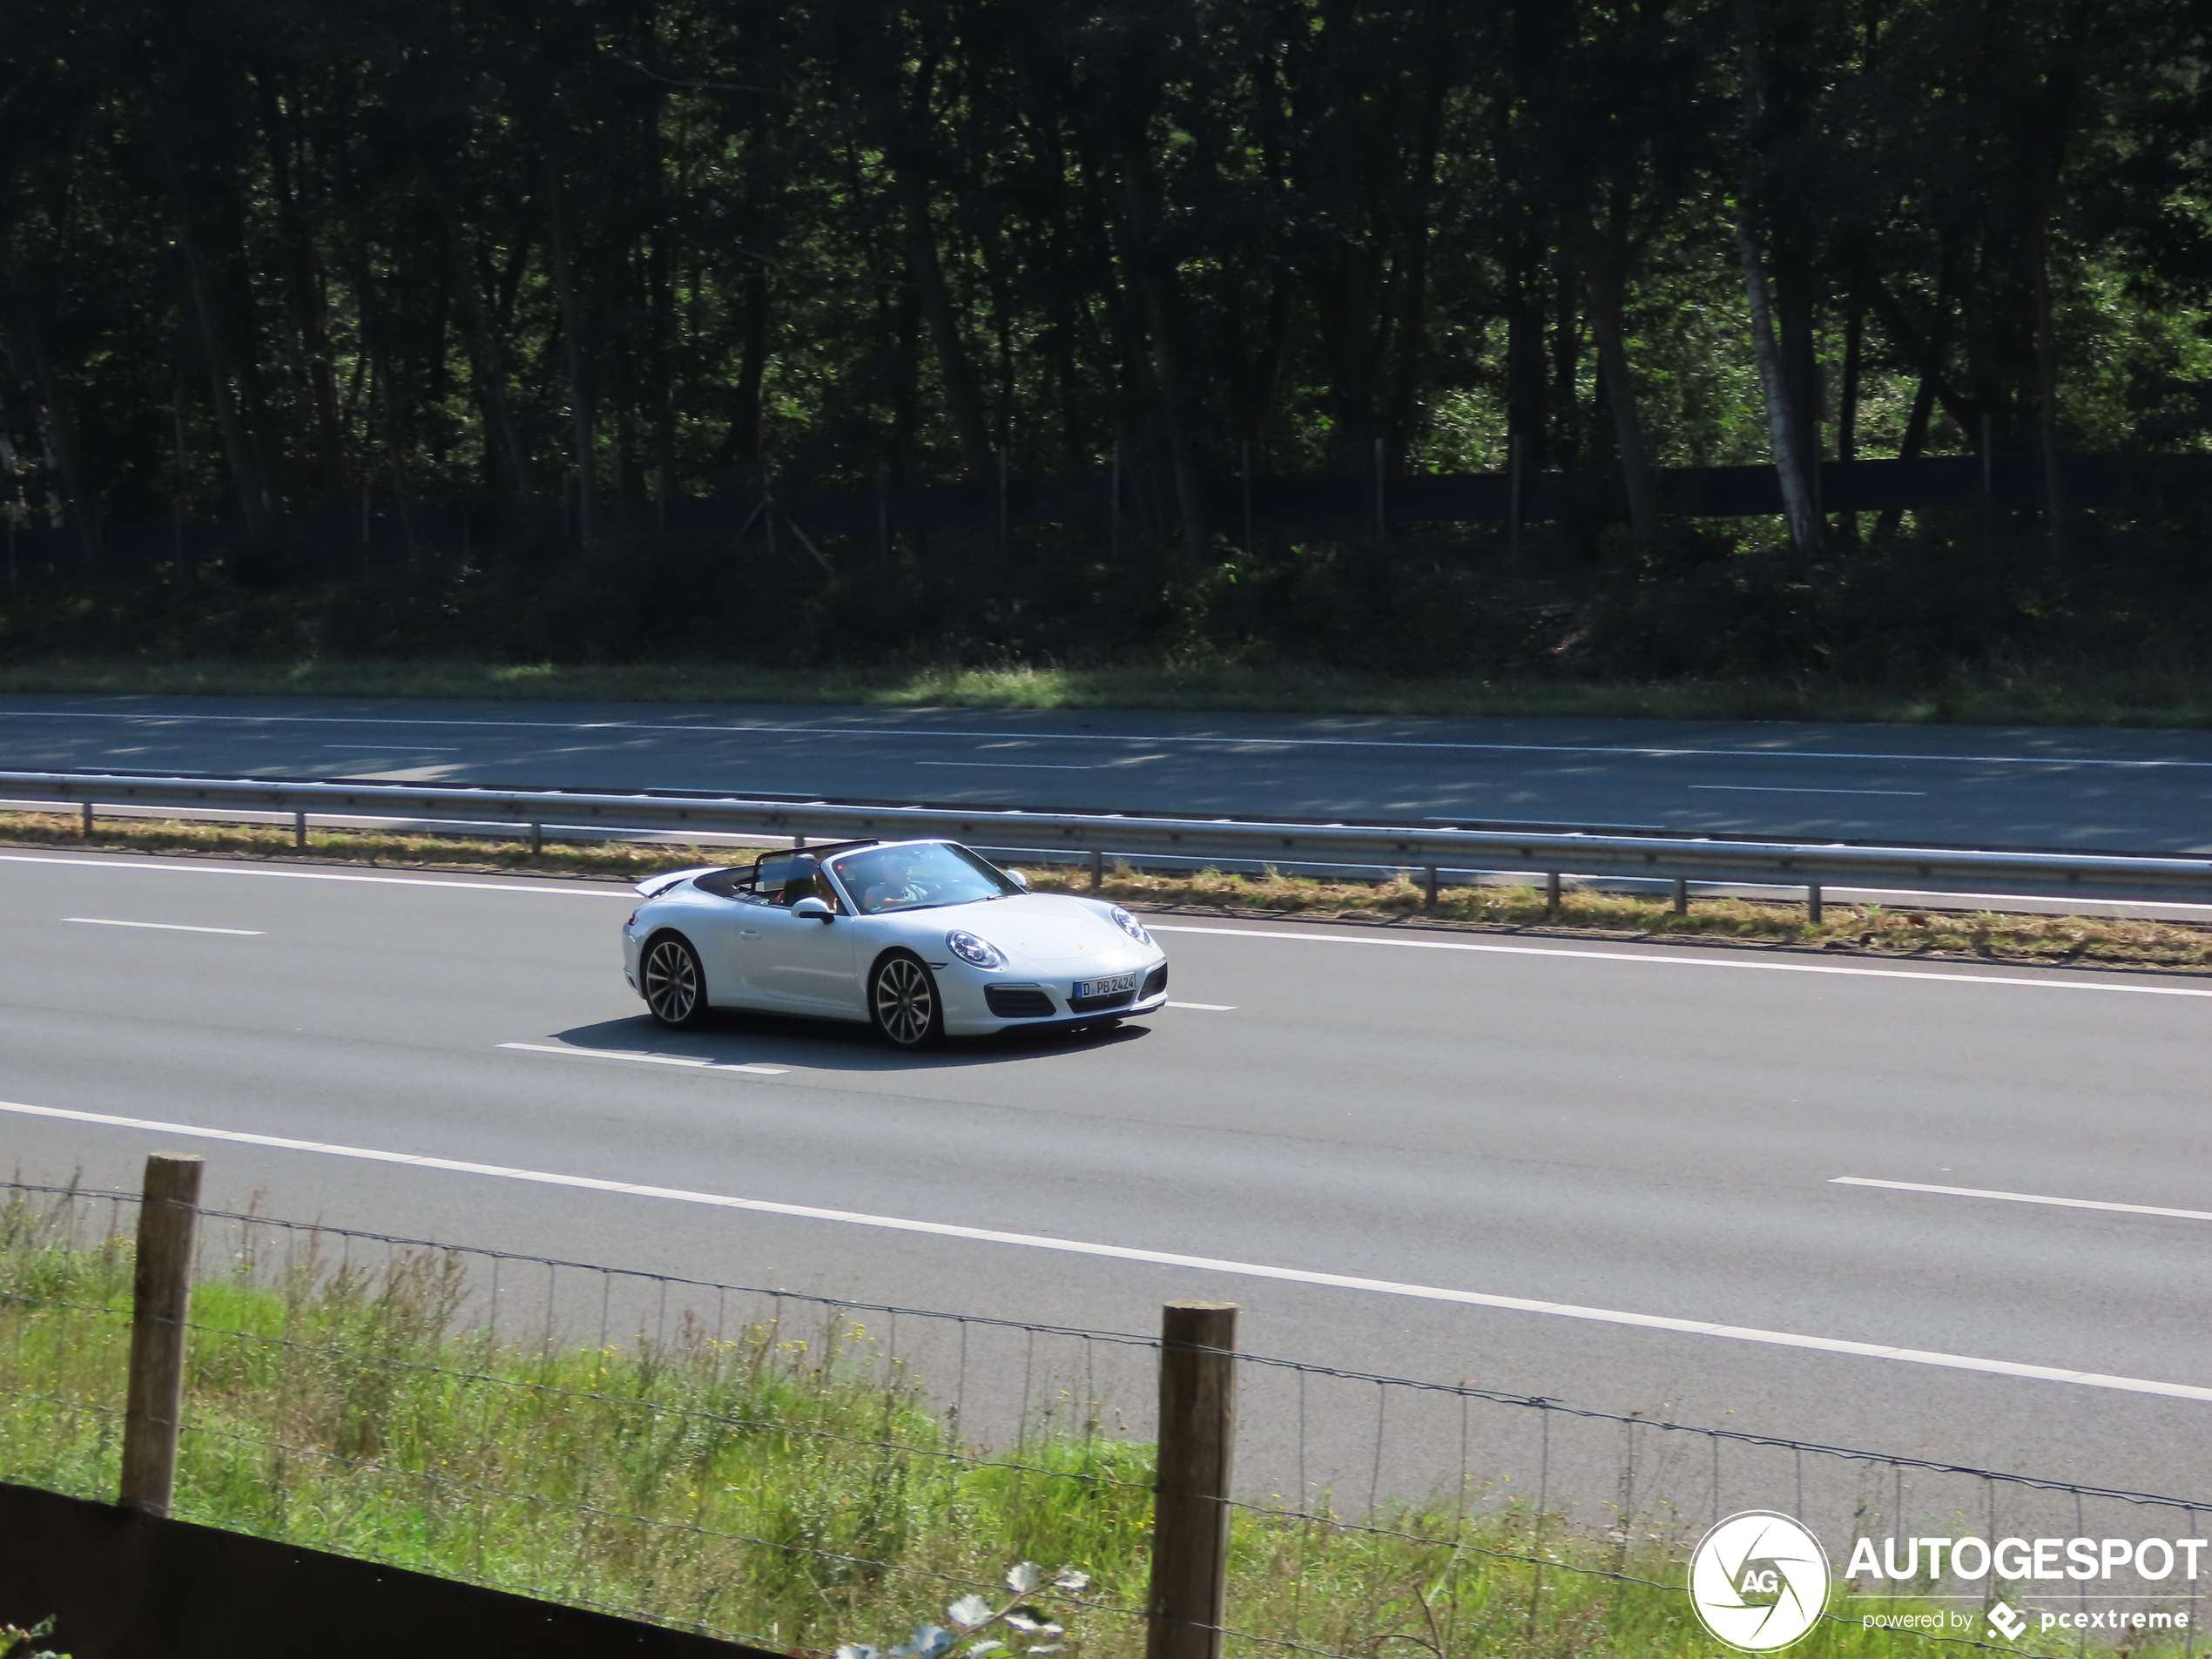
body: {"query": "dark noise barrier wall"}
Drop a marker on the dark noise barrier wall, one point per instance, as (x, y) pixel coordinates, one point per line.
(121, 1585)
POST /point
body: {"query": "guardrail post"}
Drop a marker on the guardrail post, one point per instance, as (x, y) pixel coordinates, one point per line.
(299, 829)
(86, 823)
(154, 1405)
(1098, 871)
(1191, 1492)
(1812, 904)
(537, 840)
(1681, 896)
(1551, 896)
(1428, 900)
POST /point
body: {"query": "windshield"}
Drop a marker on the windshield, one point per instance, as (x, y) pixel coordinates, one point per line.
(916, 875)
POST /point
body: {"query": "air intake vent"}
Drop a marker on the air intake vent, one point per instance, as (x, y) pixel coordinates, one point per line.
(1154, 982)
(1017, 1002)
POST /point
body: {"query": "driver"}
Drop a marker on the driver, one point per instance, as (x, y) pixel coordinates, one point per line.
(893, 885)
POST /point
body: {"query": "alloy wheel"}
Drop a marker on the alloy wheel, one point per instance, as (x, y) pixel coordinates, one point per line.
(906, 1001)
(672, 982)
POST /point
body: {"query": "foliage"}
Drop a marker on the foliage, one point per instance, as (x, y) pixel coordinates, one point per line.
(262, 257)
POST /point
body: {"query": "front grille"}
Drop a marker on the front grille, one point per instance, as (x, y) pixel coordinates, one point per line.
(1017, 1001)
(1155, 984)
(1095, 1004)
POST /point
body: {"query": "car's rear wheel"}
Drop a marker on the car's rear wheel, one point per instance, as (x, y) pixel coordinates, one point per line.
(903, 1002)
(675, 985)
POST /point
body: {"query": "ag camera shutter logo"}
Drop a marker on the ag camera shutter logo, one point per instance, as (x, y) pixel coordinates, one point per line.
(1758, 1581)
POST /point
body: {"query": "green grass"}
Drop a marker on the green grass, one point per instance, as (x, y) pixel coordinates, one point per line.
(786, 1483)
(2037, 695)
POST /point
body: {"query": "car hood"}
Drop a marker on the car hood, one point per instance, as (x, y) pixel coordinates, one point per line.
(1050, 930)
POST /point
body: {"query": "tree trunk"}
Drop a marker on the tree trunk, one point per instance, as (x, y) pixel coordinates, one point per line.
(2047, 399)
(1603, 263)
(582, 436)
(53, 430)
(1785, 431)
(1167, 360)
(504, 441)
(238, 452)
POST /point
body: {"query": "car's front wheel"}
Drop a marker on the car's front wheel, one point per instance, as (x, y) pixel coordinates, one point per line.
(675, 985)
(903, 1002)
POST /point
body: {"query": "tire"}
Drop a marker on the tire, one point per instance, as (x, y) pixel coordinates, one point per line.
(903, 1003)
(673, 981)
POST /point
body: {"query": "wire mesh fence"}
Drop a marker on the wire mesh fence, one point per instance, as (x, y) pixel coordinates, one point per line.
(801, 1472)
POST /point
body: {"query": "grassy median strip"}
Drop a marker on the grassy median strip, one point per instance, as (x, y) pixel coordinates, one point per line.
(398, 849)
(1592, 912)
(780, 1481)
(1990, 936)
(2040, 694)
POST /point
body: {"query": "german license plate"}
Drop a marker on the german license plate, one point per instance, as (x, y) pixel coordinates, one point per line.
(1113, 987)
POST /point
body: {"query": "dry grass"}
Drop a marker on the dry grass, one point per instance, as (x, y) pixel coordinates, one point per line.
(604, 861)
(2045, 940)
(2064, 942)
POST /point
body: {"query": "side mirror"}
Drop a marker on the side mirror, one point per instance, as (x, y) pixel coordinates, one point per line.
(1019, 879)
(813, 908)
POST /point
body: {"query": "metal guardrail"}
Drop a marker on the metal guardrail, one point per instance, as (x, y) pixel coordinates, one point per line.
(1426, 850)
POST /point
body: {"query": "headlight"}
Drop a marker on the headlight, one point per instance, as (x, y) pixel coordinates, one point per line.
(969, 948)
(1131, 926)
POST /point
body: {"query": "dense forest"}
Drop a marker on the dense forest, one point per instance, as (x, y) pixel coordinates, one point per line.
(262, 261)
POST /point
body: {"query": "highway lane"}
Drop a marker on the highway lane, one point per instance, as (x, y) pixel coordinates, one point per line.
(1646, 1132)
(2137, 791)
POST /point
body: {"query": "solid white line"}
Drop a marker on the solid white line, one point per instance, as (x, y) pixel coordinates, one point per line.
(390, 748)
(1207, 1007)
(1003, 765)
(1153, 1258)
(213, 869)
(1688, 958)
(181, 719)
(165, 926)
(1778, 789)
(2022, 1197)
(696, 1064)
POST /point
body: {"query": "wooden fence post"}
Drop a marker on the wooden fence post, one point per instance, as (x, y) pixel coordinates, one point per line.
(154, 1408)
(1190, 1493)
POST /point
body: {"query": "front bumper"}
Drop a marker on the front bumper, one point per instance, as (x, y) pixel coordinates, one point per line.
(983, 1004)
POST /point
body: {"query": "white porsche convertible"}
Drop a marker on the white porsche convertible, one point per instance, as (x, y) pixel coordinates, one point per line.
(923, 939)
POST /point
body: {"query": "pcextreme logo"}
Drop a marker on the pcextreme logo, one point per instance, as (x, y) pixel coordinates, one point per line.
(1759, 1581)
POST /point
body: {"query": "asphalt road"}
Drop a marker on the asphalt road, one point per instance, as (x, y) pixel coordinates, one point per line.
(1645, 1134)
(2131, 791)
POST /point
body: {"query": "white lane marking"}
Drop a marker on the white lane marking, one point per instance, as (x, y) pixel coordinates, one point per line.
(2021, 1198)
(1687, 959)
(1153, 1258)
(1207, 1007)
(165, 926)
(177, 718)
(387, 748)
(213, 868)
(1778, 789)
(696, 1064)
(1003, 765)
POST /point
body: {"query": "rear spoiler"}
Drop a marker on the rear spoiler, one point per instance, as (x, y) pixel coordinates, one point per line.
(653, 886)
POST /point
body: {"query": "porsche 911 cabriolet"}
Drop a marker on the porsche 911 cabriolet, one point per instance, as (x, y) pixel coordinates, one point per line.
(923, 939)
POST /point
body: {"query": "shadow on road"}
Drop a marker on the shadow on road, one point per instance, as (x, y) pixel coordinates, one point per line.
(732, 1039)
